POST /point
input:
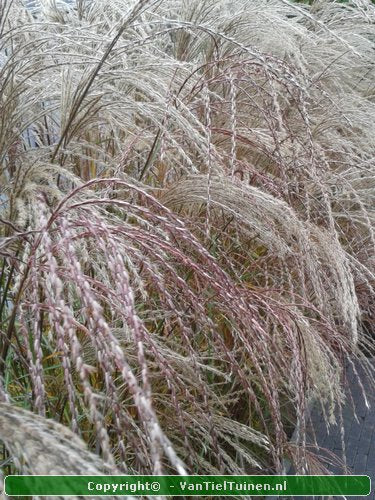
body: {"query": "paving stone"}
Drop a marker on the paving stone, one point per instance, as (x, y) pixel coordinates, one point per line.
(359, 435)
(360, 463)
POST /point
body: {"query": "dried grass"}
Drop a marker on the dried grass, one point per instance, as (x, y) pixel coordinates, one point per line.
(187, 196)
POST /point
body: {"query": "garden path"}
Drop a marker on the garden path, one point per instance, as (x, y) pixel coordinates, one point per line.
(359, 433)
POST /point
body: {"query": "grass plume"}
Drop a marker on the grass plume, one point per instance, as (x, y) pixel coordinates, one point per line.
(187, 225)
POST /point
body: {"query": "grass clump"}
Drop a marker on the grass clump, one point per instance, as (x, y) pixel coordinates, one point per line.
(187, 228)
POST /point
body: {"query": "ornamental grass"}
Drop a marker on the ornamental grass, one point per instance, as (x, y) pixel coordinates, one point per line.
(187, 231)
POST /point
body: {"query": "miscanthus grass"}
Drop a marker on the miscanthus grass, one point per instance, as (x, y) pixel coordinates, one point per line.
(187, 223)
